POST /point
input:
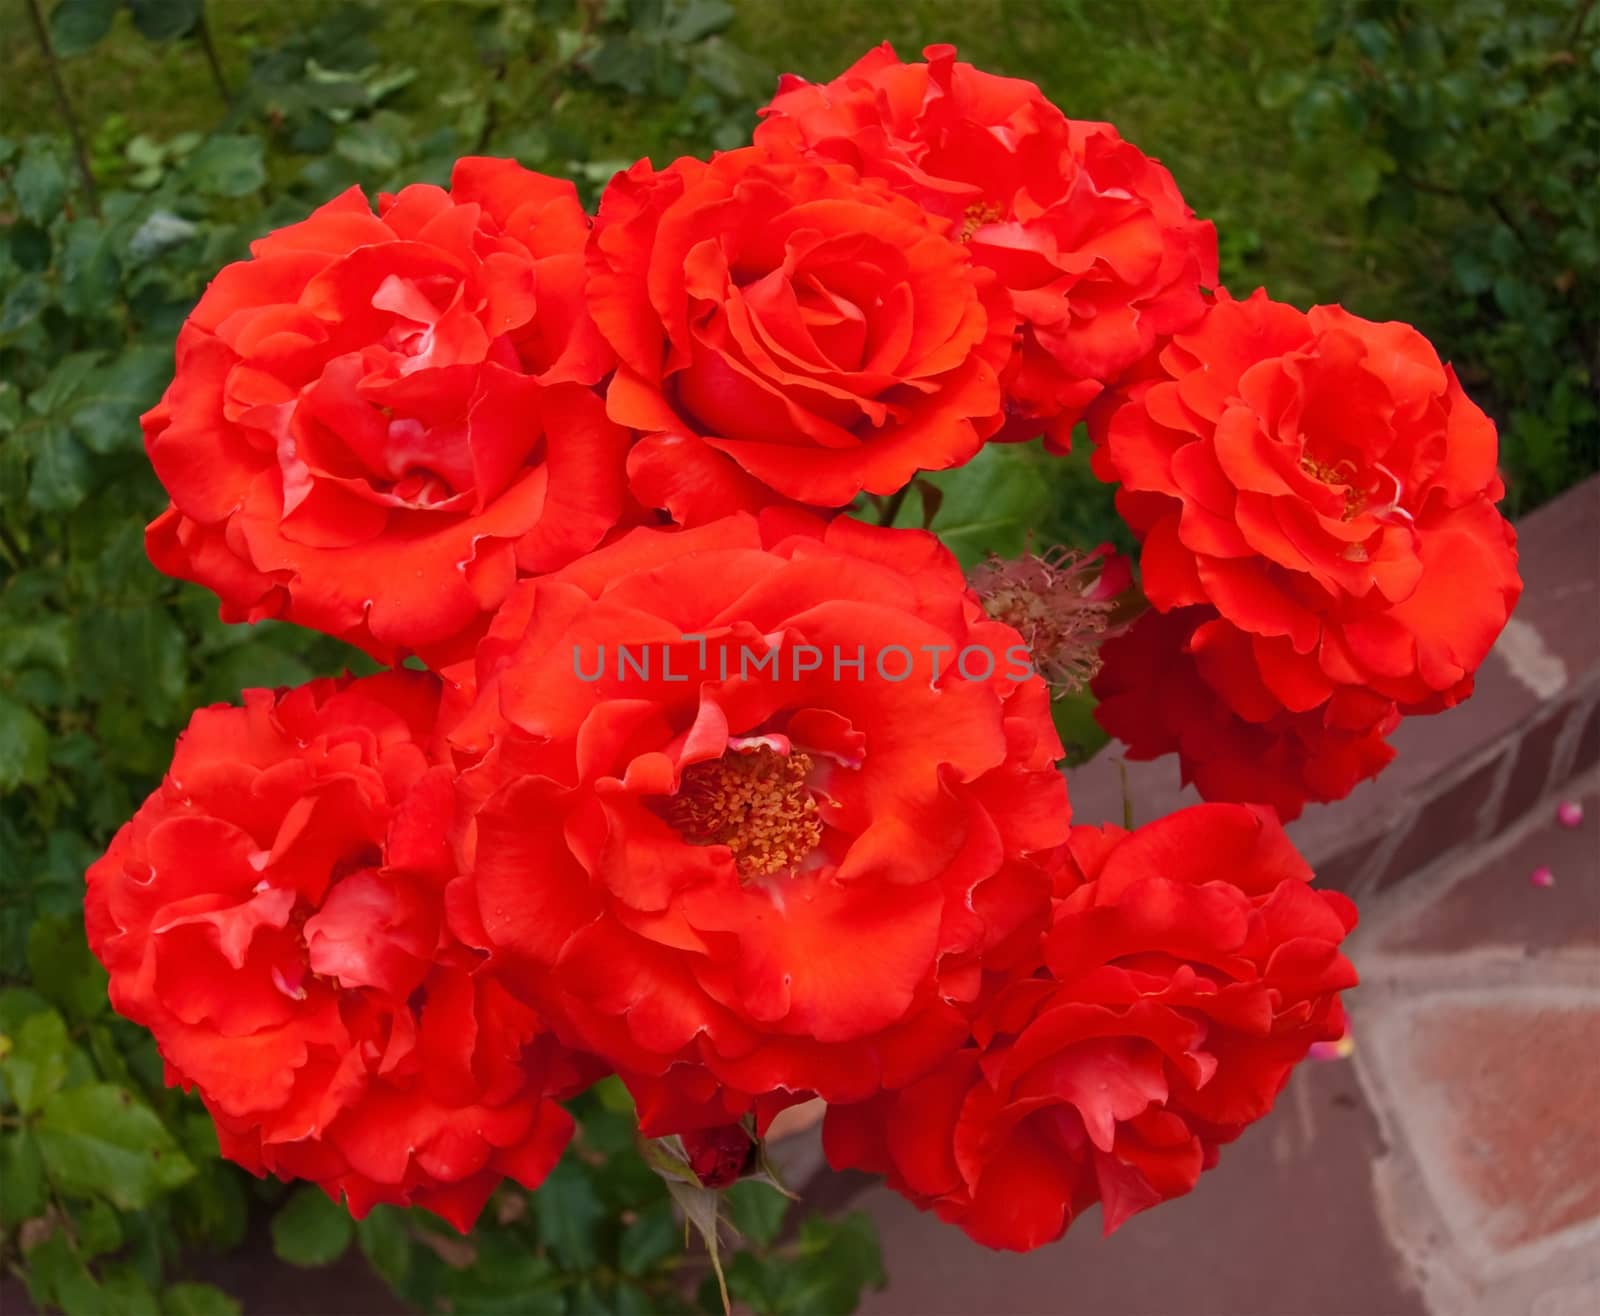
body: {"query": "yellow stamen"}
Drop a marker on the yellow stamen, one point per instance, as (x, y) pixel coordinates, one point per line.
(977, 215)
(754, 801)
(1339, 473)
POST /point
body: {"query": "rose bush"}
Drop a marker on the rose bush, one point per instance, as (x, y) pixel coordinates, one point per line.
(760, 875)
(1091, 237)
(1188, 967)
(379, 421)
(275, 915)
(712, 788)
(785, 328)
(1320, 489)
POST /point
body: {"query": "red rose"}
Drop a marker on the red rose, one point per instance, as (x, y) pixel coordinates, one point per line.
(1321, 484)
(379, 421)
(1091, 237)
(760, 872)
(1189, 967)
(275, 915)
(784, 327)
(1186, 683)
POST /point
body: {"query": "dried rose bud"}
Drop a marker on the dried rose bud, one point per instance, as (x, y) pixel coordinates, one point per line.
(720, 1156)
(1061, 603)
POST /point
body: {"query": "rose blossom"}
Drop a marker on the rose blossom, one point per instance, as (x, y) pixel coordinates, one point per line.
(1321, 493)
(1188, 968)
(275, 915)
(1091, 237)
(785, 328)
(750, 889)
(379, 421)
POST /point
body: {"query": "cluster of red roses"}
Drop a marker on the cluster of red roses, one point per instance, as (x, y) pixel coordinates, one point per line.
(385, 925)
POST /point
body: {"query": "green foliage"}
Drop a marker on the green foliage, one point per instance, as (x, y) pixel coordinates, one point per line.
(823, 1270)
(99, 1138)
(1465, 142)
(1014, 498)
(108, 1179)
(311, 1229)
(1479, 128)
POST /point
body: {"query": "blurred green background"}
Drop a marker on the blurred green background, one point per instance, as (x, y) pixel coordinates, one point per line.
(1431, 161)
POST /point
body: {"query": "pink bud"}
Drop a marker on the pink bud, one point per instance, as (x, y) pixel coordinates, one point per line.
(1569, 813)
(1542, 876)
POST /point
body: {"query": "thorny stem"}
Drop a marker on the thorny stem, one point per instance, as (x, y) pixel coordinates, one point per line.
(42, 35)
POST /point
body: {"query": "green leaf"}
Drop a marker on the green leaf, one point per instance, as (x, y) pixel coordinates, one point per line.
(386, 1243)
(229, 165)
(311, 1229)
(77, 25)
(99, 1139)
(258, 663)
(614, 1097)
(137, 654)
(63, 383)
(212, 1209)
(124, 1291)
(650, 1239)
(17, 1006)
(756, 1210)
(162, 20)
(631, 1300)
(36, 1065)
(24, 746)
(621, 62)
(60, 471)
(569, 1212)
(106, 414)
(65, 969)
(833, 1261)
(99, 1229)
(198, 1300)
(22, 1185)
(27, 297)
(40, 184)
(990, 505)
(56, 1277)
(508, 1279)
(695, 19)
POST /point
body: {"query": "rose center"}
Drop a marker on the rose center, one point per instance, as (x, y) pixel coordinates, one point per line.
(979, 214)
(754, 801)
(1338, 473)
